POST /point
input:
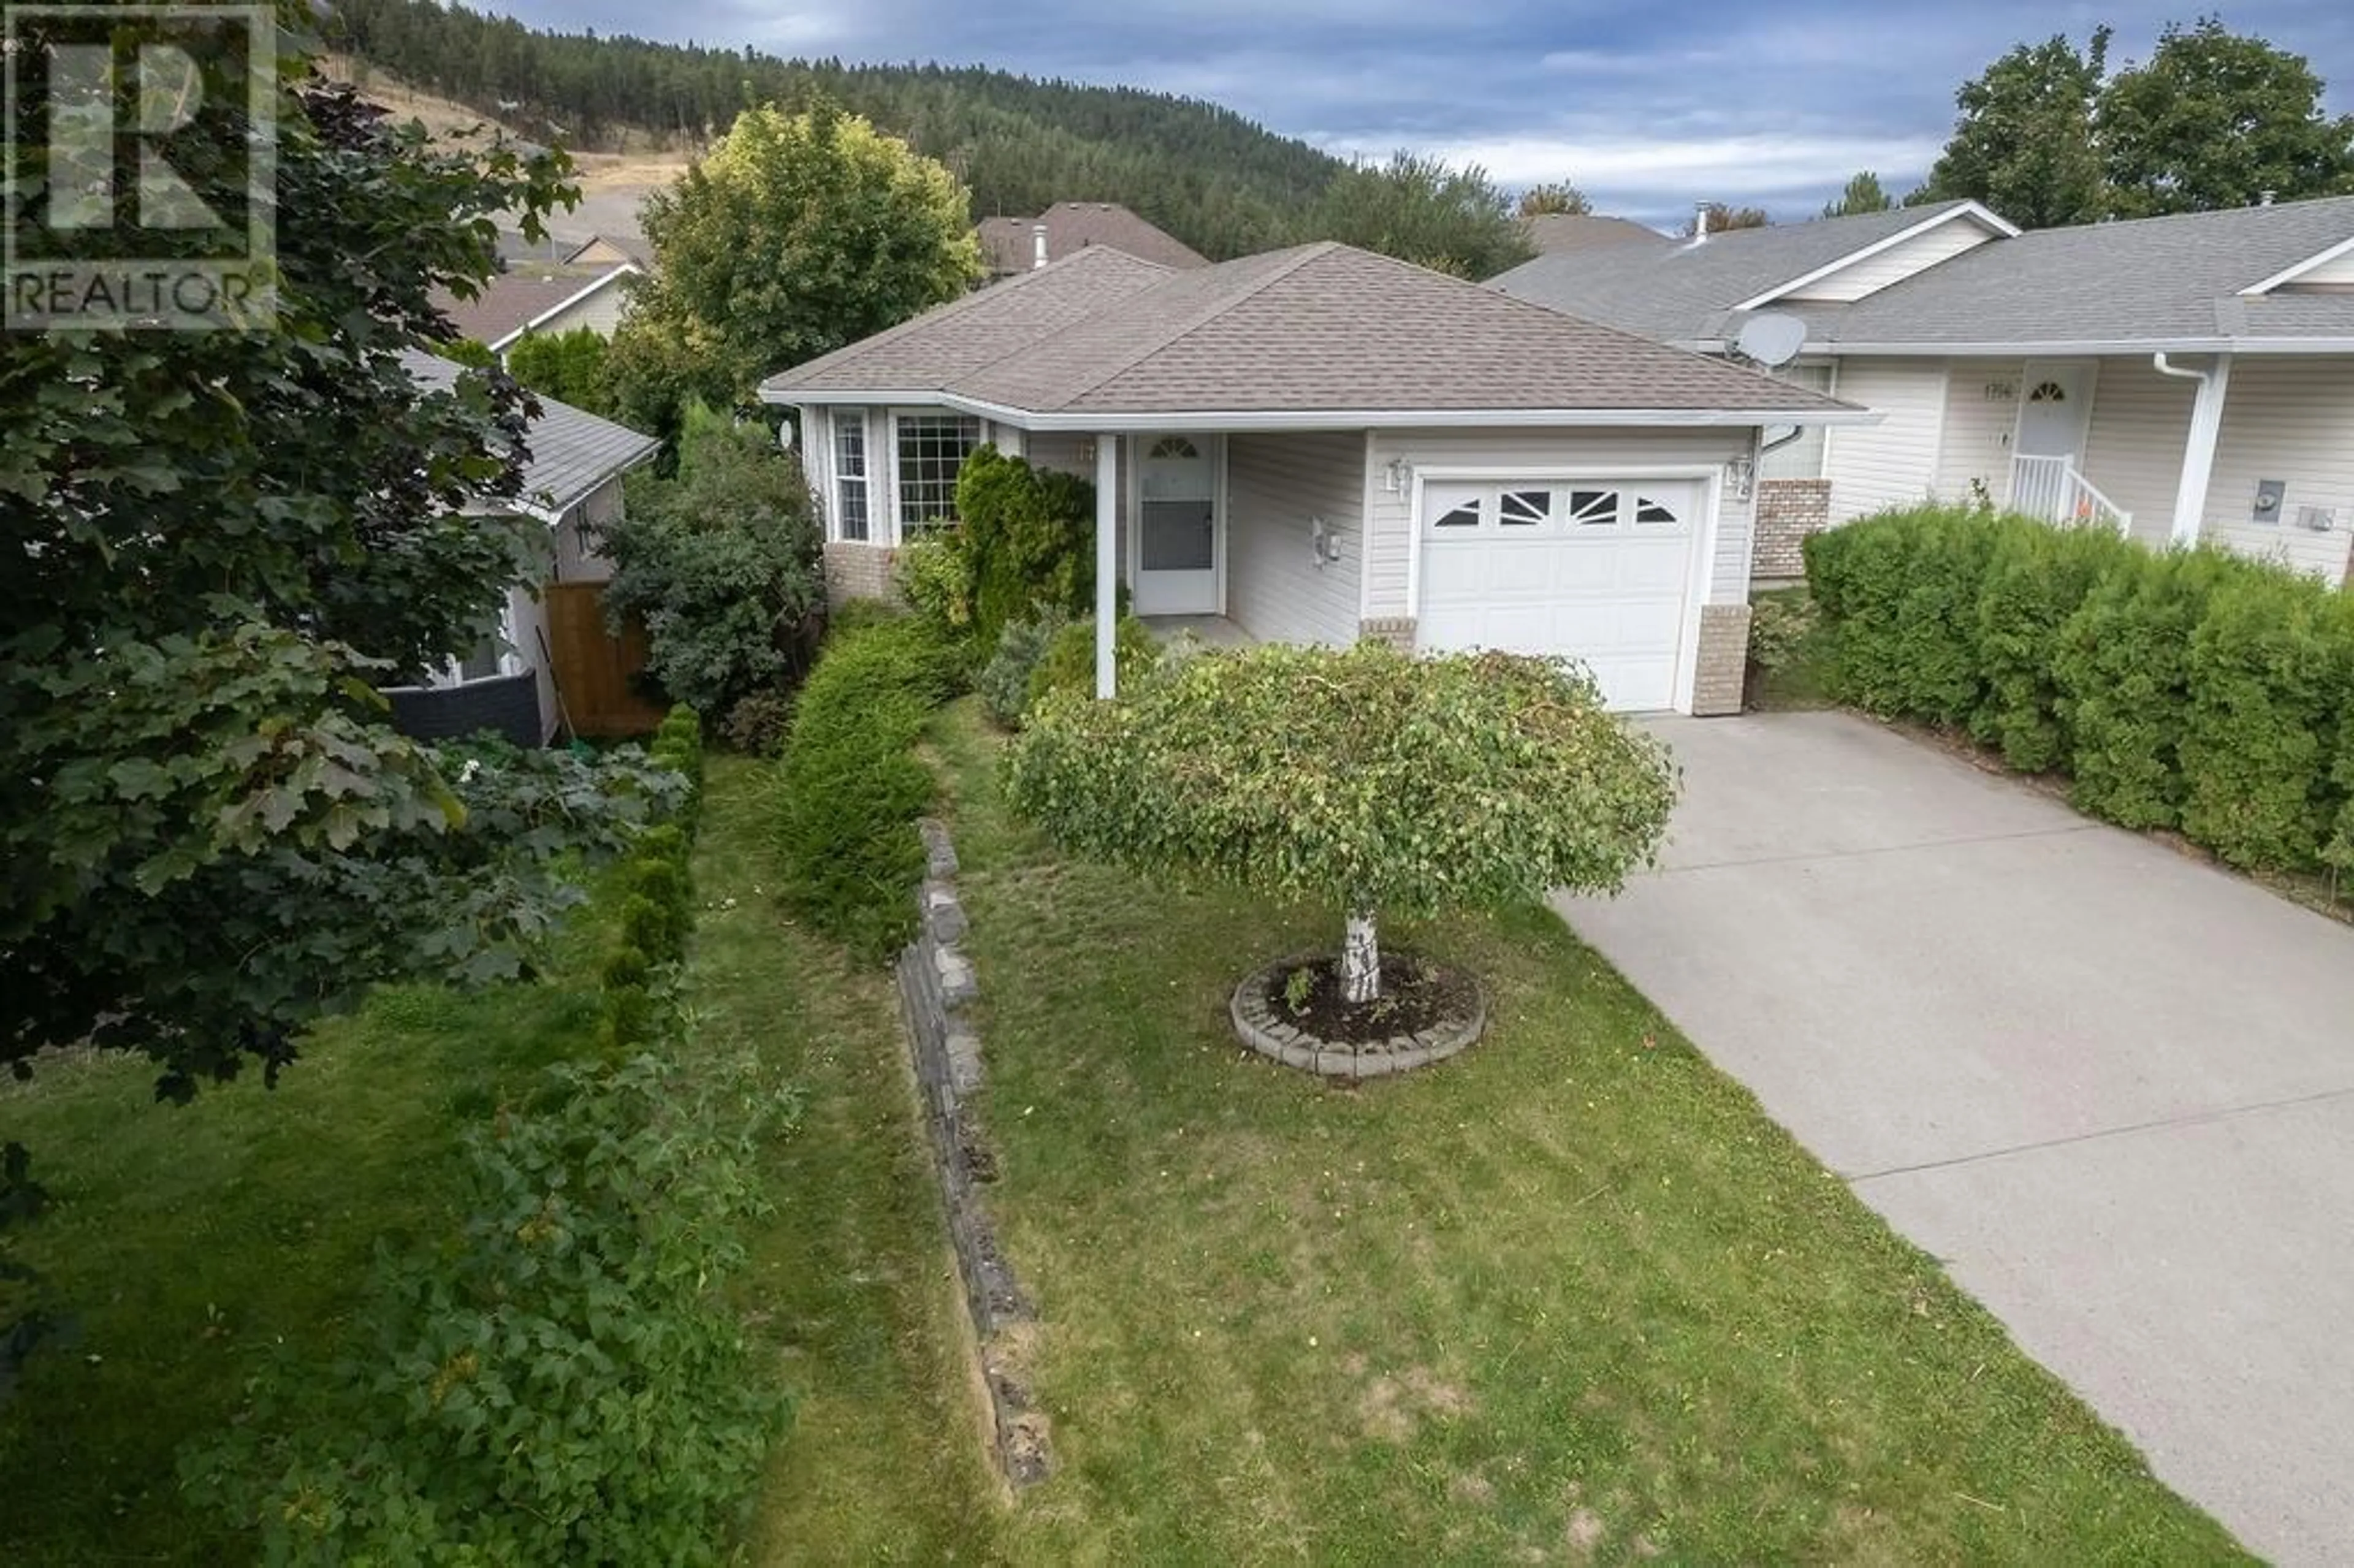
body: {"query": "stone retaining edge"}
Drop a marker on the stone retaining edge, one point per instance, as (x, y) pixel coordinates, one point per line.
(937, 987)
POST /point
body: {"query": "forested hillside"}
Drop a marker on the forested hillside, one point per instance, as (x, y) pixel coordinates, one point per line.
(1221, 183)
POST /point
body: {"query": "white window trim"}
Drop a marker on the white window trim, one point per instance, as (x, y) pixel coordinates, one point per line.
(891, 418)
(837, 419)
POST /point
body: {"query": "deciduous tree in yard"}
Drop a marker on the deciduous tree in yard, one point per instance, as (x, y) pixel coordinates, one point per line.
(2215, 119)
(1380, 783)
(1420, 210)
(794, 235)
(218, 542)
(2023, 143)
(1553, 197)
(1863, 194)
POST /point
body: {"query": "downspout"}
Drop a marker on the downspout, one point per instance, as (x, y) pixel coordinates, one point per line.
(2199, 445)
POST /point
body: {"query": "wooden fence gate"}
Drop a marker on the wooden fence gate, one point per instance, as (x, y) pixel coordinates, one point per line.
(595, 669)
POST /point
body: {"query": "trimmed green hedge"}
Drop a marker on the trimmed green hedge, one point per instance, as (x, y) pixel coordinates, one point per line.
(850, 786)
(2192, 690)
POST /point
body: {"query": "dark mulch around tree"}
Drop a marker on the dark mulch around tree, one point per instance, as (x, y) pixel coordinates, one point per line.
(1416, 995)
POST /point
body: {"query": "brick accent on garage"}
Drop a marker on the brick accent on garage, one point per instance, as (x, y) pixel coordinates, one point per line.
(1787, 511)
(1398, 630)
(1723, 658)
(860, 571)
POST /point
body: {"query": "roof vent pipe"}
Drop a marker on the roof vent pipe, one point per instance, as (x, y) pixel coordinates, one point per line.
(1700, 223)
(2264, 198)
(1037, 246)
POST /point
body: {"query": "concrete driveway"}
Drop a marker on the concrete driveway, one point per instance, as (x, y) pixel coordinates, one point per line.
(2112, 1088)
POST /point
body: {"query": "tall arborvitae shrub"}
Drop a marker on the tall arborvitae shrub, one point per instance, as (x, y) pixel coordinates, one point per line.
(1029, 541)
(2036, 578)
(2124, 671)
(2268, 682)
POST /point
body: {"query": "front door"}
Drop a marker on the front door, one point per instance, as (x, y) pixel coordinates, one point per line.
(2055, 410)
(1176, 564)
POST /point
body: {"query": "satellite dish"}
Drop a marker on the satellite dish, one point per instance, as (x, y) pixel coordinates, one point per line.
(785, 436)
(1771, 338)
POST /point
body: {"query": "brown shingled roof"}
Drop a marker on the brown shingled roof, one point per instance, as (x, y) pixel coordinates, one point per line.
(1555, 232)
(1317, 328)
(1009, 244)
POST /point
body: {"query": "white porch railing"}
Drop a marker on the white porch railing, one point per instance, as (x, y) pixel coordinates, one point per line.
(2050, 488)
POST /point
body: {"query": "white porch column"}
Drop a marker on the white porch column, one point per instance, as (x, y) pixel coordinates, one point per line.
(1106, 565)
(2199, 448)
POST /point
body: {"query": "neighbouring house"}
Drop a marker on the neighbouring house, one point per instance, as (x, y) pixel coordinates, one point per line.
(1011, 245)
(1320, 444)
(611, 250)
(552, 665)
(1560, 233)
(2181, 378)
(542, 299)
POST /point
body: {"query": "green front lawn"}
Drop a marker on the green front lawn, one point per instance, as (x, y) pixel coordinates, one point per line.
(1570, 1295)
(192, 1244)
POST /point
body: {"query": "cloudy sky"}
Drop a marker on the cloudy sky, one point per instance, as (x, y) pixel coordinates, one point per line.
(1647, 107)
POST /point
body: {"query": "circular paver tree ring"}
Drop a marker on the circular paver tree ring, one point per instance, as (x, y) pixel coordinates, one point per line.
(1441, 1011)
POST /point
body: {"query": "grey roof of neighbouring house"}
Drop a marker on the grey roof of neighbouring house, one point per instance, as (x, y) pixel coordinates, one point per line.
(1678, 294)
(2173, 280)
(1010, 245)
(1315, 329)
(1559, 233)
(572, 451)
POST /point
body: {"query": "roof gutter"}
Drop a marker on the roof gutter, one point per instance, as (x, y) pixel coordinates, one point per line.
(1248, 419)
(2013, 349)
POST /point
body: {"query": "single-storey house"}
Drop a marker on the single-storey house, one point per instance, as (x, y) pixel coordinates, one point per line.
(571, 486)
(2180, 377)
(1011, 245)
(544, 299)
(1319, 444)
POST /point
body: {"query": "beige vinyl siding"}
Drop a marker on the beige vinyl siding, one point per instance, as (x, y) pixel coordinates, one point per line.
(1393, 536)
(1981, 413)
(1061, 451)
(2134, 454)
(576, 558)
(1898, 262)
(1801, 458)
(2338, 272)
(2289, 418)
(1895, 463)
(600, 312)
(1276, 589)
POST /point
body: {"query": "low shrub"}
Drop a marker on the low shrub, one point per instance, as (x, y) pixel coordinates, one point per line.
(562, 1381)
(2194, 689)
(1069, 662)
(936, 580)
(756, 726)
(1004, 681)
(1779, 626)
(849, 786)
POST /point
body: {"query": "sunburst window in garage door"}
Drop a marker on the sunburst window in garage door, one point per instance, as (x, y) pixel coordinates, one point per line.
(1599, 572)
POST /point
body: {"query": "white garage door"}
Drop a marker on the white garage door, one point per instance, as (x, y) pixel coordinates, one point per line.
(1598, 569)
